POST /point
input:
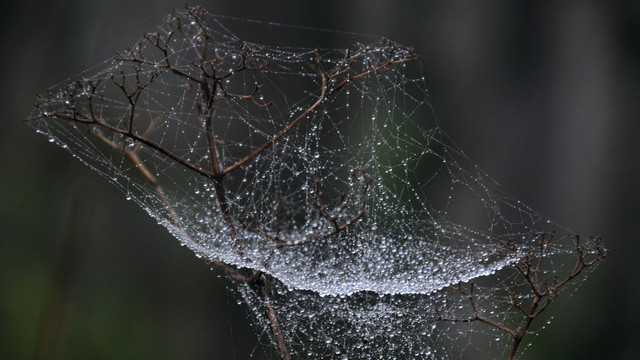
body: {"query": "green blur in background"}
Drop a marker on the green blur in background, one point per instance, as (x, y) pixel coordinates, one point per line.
(544, 97)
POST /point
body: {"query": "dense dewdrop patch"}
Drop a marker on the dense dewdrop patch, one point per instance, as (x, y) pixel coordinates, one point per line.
(322, 167)
(380, 128)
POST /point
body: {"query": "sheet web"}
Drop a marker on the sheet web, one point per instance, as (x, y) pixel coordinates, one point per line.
(317, 178)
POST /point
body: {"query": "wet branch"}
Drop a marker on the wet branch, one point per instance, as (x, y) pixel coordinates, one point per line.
(205, 76)
(540, 291)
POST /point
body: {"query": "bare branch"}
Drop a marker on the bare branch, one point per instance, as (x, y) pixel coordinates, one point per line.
(204, 75)
(542, 291)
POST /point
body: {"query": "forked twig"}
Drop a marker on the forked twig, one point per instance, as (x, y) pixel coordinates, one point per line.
(541, 291)
(205, 76)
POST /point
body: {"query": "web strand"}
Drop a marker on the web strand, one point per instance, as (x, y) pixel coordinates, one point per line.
(320, 181)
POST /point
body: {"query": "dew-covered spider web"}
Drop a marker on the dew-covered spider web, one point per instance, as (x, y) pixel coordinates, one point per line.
(310, 167)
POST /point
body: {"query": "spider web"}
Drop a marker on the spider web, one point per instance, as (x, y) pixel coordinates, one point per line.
(321, 169)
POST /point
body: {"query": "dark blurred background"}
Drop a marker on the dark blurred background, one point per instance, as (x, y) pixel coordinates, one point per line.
(544, 96)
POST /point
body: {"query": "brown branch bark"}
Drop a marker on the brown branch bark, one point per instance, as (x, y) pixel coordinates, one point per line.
(205, 77)
(542, 292)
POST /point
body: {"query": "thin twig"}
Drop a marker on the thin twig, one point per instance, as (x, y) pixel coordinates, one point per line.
(543, 291)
